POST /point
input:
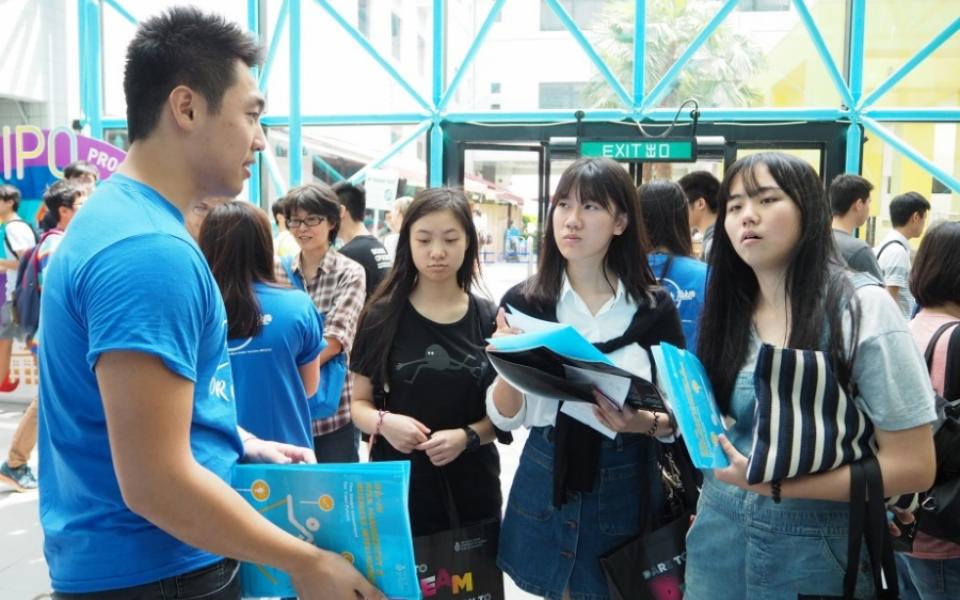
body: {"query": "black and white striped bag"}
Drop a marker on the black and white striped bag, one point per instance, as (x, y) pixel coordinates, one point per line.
(804, 421)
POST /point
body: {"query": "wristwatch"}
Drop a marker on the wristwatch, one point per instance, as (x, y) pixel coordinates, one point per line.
(473, 439)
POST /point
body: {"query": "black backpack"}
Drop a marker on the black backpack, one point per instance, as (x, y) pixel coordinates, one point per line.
(939, 512)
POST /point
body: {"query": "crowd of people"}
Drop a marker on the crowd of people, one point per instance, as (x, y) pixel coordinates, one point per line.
(178, 337)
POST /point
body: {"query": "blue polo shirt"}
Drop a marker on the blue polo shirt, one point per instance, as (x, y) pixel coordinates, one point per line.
(271, 401)
(686, 280)
(129, 277)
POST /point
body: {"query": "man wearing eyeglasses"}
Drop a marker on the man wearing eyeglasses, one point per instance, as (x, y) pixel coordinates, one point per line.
(337, 286)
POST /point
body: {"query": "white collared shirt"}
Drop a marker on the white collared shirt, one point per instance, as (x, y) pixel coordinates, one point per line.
(611, 321)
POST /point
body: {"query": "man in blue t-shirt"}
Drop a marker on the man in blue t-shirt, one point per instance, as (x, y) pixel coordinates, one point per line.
(138, 424)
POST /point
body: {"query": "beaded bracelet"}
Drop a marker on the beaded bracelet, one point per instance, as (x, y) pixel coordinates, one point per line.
(656, 425)
(380, 415)
(775, 491)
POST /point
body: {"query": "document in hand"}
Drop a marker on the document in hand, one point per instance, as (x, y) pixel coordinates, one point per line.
(356, 510)
(690, 397)
(560, 363)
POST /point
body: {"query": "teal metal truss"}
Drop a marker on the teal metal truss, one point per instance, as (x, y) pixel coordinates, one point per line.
(858, 112)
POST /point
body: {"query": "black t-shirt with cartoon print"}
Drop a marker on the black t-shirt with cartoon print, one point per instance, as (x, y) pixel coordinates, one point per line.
(439, 374)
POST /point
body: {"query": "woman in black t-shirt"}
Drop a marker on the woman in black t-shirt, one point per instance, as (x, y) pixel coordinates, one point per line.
(420, 371)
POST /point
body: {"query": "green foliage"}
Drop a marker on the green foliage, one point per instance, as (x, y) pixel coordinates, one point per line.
(717, 75)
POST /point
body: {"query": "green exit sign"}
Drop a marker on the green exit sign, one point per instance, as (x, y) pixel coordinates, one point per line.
(641, 150)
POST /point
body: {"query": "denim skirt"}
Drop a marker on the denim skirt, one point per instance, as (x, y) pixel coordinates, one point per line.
(546, 550)
(744, 546)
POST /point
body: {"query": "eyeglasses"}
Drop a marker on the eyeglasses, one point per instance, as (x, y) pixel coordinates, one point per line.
(311, 221)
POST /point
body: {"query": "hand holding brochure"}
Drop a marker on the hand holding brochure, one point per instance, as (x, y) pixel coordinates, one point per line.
(554, 361)
(357, 510)
(690, 396)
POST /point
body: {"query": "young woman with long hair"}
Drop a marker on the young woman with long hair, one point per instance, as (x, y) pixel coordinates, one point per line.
(578, 494)
(419, 368)
(274, 332)
(666, 219)
(932, 570)
(777, 286)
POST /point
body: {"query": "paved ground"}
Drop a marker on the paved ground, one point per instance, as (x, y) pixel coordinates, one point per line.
(23, 571)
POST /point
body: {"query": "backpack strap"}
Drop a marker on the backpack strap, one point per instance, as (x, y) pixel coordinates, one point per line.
(885, 246)
(292, 275)
(951, 386)
(6, 237)
(487, 312)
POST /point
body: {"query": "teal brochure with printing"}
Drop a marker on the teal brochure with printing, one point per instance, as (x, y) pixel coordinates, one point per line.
(356, 510)
(690, 396)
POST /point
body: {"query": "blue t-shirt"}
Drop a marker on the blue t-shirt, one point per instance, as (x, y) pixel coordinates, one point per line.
(128, 277)
(685, 280)
(271, 401)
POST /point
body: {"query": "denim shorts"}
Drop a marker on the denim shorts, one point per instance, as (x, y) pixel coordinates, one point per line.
(546, 550)
(744, 546)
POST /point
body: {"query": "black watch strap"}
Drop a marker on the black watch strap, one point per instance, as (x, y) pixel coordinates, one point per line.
(473, 438)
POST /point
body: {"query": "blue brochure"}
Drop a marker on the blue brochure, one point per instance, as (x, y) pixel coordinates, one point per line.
(357, 510)
(690, 396)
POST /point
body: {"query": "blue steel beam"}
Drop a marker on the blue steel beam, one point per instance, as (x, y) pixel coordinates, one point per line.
(296, 128)
(807, 19)
(639, 53)
(663, 86)
(122, 12)
(854, 144)
(858, 13)
(439, 51)
(889, 137)
(273, 169)
(400, 145)
(470, 55)
(94, 108)
(595, 58)
(253, 24)
(351, 119)
(274, 44)
(908, 66)
(368, 47)
(436, 153)
(949, 115)
(328, 168)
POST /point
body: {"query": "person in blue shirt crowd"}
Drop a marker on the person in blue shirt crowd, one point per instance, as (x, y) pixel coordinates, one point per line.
(777, 283)
(663, 206)
(274, 333)
(579, 493)
(138, 423)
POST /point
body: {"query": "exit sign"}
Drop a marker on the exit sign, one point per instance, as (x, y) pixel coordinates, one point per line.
(641, 150)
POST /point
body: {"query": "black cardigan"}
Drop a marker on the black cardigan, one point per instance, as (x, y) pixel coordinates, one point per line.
(655, 321)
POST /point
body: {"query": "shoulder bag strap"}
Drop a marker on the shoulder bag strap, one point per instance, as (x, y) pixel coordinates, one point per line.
(951, 380)
(887, 245)
(858, 509)
(292, 275)
(879, 543)
(932, 344)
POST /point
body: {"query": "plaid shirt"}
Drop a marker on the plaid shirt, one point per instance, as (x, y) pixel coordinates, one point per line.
(338, 290)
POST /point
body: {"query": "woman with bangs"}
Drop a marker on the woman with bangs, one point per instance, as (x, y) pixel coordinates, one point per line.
(420, 374)
(777, 284)
(578, 493)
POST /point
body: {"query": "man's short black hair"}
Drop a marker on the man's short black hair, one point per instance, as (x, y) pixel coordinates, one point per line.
(10, 192)
(353, 198)
(277, 208)
(701, 184)
(80, 167)
(182, 46)
(314, 199)
(903, 207)
(845, 190)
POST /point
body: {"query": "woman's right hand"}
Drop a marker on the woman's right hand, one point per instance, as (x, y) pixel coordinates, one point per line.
(503, 328)
(404, 433)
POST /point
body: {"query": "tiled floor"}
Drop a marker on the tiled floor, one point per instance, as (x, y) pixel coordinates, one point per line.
(23, 571)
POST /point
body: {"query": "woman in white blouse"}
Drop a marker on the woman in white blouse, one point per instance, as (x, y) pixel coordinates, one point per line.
(579, 493)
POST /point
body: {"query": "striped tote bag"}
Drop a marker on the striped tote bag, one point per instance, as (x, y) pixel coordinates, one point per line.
(804, 421)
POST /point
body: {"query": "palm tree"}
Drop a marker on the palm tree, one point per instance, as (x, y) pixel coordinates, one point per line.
(718, 75)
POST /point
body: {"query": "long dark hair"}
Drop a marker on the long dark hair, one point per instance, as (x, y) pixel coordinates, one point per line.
(816, 283)
(607, 183)
(666, 218)
(382, 314)
(235, 238)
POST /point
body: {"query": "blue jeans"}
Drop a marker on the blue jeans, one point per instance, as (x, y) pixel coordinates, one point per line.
(218, 581)
(928, 579)
(743, 546)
